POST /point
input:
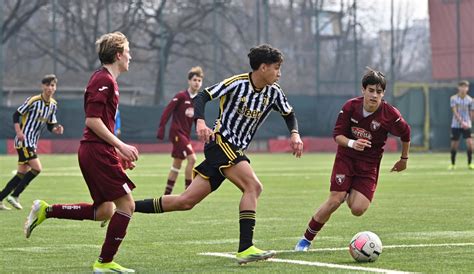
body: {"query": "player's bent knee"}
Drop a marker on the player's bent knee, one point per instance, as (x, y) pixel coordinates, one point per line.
(358, 211)
(254, 187)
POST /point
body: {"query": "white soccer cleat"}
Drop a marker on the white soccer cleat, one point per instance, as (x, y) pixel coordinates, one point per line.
(14, 202)
(3, 207)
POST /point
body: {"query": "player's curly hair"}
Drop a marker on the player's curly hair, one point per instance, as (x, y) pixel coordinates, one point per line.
(373, 77)
(108, 45)
(195, 71)
(264, 54)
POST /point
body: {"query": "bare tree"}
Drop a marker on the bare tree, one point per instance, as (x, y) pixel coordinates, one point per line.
(18, 14)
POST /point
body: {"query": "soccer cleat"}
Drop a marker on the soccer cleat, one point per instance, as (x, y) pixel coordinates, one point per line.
(451, 167)
(471, 166)
(99, 267)
(253, 254)
(14, 202)
(4, 207)
(104, 223)
(36, 217)
(302, 245)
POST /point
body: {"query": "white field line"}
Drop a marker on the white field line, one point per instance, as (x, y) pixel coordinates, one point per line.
(328, 265)
(385, 247)
(300, 262)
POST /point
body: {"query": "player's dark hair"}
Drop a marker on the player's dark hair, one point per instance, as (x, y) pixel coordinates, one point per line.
(463, 83)
(48, 78)
(108, 45)
(373, 77)
(264, 54)
(195, 71)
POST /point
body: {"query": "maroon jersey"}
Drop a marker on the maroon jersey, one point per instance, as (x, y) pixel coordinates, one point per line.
(375, 128)
(181, 106)
(101, 100)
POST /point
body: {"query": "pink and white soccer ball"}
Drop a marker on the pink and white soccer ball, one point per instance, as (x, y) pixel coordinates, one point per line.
(365, 246)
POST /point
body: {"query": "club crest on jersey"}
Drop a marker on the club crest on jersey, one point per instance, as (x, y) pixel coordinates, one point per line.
(374, 125)
(189, 112)
(340, 178)
(265, 100)
(360, 133)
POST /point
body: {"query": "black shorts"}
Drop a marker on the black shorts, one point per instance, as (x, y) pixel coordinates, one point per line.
(220, 154)
(25, 154)
(457, 132)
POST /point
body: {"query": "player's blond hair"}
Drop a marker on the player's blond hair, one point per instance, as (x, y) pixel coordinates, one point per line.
(109, 44)
(195, 71)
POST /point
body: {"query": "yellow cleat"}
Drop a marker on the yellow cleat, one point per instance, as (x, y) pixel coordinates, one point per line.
(98, 267)
(253, 254)
(471, 166)
(451, 167)
(36, 217)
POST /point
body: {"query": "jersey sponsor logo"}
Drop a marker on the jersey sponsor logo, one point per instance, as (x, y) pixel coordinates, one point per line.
(103, 88)
(189, 112)
(361, 133)
(340, 178)
(374, 125)
(245, 111)
(174, 99)
(354, 121)
(187, 102)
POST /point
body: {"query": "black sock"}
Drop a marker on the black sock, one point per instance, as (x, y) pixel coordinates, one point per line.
(453, 157)
(469, 157)
(29, 176)
(11, 185)
(247, 225)
(149, 206)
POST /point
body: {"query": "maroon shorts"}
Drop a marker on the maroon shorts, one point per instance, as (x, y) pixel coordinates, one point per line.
(348, 173)
(181, 146)
(103, 173)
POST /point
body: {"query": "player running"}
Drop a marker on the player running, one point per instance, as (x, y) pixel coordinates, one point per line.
(29, 120)
(102, 158)
(182, 109)
(361, 131)
(245, 101)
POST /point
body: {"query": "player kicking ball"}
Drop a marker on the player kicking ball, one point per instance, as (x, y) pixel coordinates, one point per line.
(361, 132)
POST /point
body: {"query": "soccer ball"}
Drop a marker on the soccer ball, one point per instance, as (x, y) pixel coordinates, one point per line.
(365, 247)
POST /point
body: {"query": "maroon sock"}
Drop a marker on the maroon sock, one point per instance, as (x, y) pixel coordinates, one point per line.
(72, 212)
(169, 187)
(313, 229)
(187, 183)
(116, 231)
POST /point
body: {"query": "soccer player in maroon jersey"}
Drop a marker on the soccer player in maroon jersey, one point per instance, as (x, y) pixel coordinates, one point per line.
(102, 158)
(182, 109)
(361, 132)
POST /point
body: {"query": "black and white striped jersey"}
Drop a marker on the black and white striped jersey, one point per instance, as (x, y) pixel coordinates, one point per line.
(35, 114)
(242, 109)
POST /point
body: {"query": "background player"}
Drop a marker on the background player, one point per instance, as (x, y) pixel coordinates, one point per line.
(245, 101)
(182, 109)
(29, 120)
(361, 131)
(462, 106)
(102, 158)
